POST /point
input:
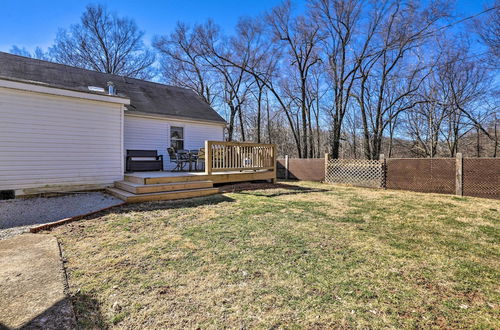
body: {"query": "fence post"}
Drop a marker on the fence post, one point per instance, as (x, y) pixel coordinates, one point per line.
(381, 158)
(459, 189)
(326, 165)
(286, 167)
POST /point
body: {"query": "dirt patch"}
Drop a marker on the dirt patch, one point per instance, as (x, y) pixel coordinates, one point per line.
(32, 284)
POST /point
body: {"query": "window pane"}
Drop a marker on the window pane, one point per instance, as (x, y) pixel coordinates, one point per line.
(176, 132)
(177, 137)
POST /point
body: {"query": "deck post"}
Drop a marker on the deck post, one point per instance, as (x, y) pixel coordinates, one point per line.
(275, 160)
(208, 158)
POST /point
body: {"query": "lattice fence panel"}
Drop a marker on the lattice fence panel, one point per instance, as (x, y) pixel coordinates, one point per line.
(481, 177)
(358, 172)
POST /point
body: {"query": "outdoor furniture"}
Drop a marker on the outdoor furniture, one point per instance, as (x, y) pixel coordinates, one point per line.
(179, 158)
(143, 160)
(190, 156)
(194, 155)
(200, 159)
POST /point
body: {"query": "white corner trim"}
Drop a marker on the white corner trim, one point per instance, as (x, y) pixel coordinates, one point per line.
(37, 88)
(173, 118)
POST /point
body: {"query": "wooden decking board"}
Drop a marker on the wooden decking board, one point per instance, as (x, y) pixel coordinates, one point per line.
(188, 177)
(170, 195)
(137, 188)
(134, 179)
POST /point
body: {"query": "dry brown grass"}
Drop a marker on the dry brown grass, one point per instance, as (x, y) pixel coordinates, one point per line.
(306, 255)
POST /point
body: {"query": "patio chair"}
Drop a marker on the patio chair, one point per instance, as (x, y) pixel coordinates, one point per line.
(200, 159)
(177, 158)
(195, 154)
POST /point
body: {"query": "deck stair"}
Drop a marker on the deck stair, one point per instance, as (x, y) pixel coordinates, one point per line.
(133, 192)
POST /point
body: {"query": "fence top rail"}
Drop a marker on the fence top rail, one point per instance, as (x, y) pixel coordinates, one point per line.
(244, 144)
(439, 158)
(421, 158)
(354, 161)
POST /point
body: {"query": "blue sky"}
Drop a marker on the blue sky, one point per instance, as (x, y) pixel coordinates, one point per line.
(31, 23)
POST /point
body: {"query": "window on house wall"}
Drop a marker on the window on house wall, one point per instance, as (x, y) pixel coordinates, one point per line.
(177, 137)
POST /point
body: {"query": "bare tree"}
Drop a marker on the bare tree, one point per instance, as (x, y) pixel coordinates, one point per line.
(488, 29)
(300, 36)
(236, 82)
(38, 54)
(392, 77)
(183, 64)
(263, 65)
(466, 83)
(346, 47)
(104, 42)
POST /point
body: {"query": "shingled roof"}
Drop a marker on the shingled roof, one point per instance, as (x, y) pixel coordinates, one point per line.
(145, 96)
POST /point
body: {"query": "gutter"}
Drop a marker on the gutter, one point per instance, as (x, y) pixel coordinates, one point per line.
(39, 87)
(176, 118)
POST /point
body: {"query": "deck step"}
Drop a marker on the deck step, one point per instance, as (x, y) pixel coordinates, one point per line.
(137, 188)
(160, 196)
(150, 178)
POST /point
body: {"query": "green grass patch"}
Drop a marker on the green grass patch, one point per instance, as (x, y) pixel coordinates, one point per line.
(307, 256)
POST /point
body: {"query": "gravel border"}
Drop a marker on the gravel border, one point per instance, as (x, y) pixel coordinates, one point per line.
(18, 215)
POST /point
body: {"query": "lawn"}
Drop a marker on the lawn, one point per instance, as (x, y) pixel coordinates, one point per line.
(300, 255)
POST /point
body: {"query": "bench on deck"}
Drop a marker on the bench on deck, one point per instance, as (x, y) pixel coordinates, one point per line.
(143, 160)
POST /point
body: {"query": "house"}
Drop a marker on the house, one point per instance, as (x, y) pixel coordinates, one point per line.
(64, 128)
(59, 126)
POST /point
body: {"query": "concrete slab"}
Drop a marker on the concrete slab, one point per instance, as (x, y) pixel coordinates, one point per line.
(32, 284)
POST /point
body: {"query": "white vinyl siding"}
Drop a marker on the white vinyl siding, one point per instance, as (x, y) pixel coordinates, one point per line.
(146, 133)
(51, 141)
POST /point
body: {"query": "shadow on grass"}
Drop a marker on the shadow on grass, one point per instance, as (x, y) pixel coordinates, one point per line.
(163, 205)
(285, 189)
(241, 188)
(88, 312)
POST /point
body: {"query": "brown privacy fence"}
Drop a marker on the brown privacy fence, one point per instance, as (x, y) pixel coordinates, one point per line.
(312, 169)
(481, 177)
(424, 175)
(478, 177)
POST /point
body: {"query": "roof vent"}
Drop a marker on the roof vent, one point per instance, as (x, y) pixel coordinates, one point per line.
(96, 89)
(111, 88)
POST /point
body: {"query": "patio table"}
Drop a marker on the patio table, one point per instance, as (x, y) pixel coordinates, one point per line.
(190, 156)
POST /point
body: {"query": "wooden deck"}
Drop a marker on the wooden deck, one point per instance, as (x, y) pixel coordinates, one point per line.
(225, 162)
(152, 186)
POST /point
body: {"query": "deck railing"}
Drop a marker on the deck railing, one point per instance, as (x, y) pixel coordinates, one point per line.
(239, 156)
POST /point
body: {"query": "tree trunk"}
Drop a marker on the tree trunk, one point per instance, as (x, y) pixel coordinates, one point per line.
(230, 128)
(242, 123)
(305, 140)
(259, 107)
(335, 142)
